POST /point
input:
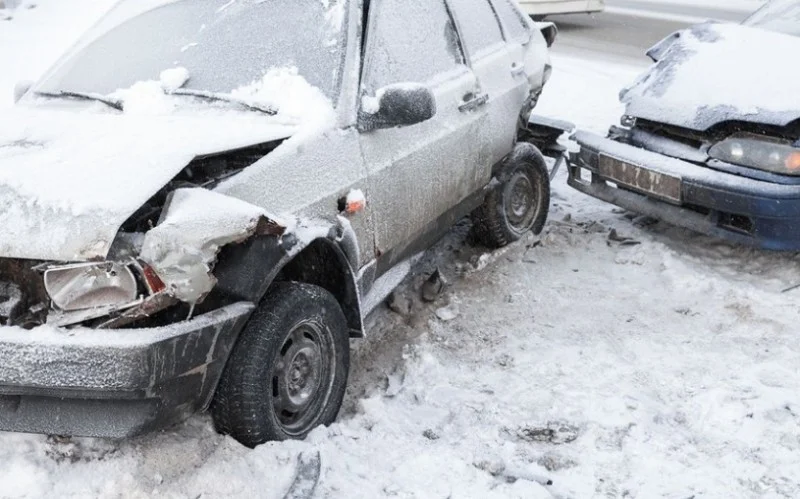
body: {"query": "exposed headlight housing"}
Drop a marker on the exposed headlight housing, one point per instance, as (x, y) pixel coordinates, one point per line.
(758, 152)
(84, 286)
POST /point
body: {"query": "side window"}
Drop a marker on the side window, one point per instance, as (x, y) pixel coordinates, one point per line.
(516, 26)
(410, 41)
(478, 25)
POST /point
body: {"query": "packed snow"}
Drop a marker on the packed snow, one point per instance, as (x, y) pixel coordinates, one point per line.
(288, 92)
(656, 364)
(174, 78)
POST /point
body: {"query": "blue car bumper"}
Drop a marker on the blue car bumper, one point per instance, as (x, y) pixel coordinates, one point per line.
(739, 209)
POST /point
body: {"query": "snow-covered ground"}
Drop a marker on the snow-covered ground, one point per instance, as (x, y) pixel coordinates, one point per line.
(668, 368)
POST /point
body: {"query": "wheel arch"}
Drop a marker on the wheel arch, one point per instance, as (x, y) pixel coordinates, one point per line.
(248, 271)
(522, 151)
(324, 264)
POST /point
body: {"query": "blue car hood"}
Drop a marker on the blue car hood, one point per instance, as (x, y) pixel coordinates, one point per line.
(713, 73)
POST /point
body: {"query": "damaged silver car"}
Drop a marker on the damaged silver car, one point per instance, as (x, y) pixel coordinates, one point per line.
(202, 200)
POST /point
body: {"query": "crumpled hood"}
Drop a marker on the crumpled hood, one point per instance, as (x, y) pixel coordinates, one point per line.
(69, 179)
(712, 73)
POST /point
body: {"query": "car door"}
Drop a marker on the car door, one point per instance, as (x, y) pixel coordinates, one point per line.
(419, 173)
(499, 67)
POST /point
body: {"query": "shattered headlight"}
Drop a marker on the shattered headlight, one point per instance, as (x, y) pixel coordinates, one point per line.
(758, 152)
(82, 286)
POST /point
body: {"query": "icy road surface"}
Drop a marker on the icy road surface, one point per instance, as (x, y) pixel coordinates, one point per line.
(667, 368)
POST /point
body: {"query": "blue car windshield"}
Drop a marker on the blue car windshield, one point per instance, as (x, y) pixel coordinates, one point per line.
(224, 45)
(782, 16)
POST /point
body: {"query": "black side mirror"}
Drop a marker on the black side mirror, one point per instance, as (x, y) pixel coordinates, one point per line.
(549, 32)
(657, 51)
(397, 105)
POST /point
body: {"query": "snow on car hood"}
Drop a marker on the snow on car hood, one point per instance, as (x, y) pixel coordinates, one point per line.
(69, 179)
(712, 73)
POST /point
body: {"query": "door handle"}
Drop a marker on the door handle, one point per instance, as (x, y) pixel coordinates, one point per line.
(473, 101)
(517, 69)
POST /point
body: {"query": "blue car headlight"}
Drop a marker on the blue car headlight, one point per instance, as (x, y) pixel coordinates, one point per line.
(758, 152)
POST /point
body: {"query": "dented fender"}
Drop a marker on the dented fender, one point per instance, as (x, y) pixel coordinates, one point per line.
(210, 243)
(324, 256)
(194, 225)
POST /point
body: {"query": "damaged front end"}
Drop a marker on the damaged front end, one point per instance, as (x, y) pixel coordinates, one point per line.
(103, 295)
(158, 268)
(168, 268)
(119, 315)
(64, 373)
(38, 293)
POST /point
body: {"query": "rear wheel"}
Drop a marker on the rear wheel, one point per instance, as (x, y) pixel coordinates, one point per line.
(288, 372)
(520, 201)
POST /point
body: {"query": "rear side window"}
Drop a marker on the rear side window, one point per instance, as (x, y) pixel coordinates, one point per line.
(516, 27)
(478, 25)
(410, 41)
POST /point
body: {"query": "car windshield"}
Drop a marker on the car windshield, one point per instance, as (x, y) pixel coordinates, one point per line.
(782, 16)
(224, 45)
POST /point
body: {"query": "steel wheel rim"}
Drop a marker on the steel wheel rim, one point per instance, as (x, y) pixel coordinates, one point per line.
(302, 377)
(520, 202)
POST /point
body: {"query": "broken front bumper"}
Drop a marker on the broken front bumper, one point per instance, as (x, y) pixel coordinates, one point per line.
(113, 383)
(736, 208)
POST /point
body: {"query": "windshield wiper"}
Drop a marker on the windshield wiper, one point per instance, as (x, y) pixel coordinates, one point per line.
(108, 101)
(215, 97)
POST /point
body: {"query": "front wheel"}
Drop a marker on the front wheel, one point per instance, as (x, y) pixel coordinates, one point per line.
(287, 373)
(520, 201)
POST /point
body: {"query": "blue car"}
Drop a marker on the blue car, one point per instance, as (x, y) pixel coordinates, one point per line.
(709, 139)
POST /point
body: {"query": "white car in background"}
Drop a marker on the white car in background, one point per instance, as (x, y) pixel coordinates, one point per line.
(539, 9)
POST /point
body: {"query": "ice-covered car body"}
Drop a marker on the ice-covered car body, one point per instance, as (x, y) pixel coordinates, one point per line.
(710, 133)
(187, 155)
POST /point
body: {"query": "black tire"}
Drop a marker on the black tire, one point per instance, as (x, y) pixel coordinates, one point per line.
(287, 373)
(518, 203)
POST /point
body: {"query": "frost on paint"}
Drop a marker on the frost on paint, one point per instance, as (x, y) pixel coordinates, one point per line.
(146, 98)
(372, 104)
(712, 73)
